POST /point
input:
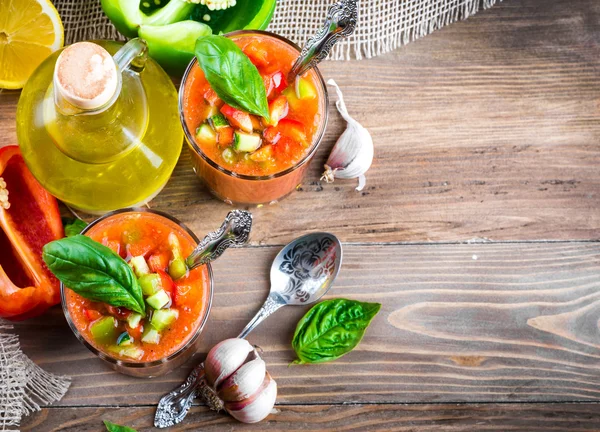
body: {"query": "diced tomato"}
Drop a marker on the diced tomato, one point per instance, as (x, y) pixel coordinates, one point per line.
(238, 119)
(167, 284)
(293, 129)
(278, 109)
(158, 262)
(225, 136)
(182, 289)
(136, 333)
(118, 312)
(271, 135)
(92, 315)
(211, 97)
(269, 85)
(279, 81)
(262, 155)
(256, 54)
(113, 245)
(139, 249)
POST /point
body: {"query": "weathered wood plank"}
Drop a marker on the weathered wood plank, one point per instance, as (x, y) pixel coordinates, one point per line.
(486, 128)
(438, 418)
(459, 323)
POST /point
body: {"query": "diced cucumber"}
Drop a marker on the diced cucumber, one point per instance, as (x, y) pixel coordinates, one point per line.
(218, 121)
(104, 330)
(229, 156)
(130, 351)
(245, 142)
(161, 319)
(134, 320)
(124, 339)
(305, 89)
(150, 284)
(139, 265)
(177, 267)
(151, 336)
(158, 300)
(206, 134)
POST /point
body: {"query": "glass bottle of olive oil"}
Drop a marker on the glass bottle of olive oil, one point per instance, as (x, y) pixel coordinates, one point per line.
(98, 125)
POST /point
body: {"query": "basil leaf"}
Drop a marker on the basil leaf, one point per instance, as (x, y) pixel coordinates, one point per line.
(331, 329)
(232, 75)
(94, 272)
(73, 226)
(112, 427)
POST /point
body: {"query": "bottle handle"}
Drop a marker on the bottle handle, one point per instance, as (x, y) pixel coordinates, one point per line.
(132, 56)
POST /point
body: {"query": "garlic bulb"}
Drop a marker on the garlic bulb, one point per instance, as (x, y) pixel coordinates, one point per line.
(352, 155)
(256, 407)
(238, 380)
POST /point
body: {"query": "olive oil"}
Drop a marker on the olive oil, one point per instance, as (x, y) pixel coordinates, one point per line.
(115, 157)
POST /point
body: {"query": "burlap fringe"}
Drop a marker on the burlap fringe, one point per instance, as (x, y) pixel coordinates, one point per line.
(384, 25)
(24, 386)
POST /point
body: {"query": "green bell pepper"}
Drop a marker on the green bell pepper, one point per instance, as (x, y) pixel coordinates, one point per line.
(171, 30)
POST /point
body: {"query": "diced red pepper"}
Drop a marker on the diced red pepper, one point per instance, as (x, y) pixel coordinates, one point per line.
(167, 284)
(158, 262)
(257, 55)
(29, 218)
(139, 249)
(225, 136)
(279, 81)
(271, 135)
(92, 315)
(278, 109)
(211, 97)
(238, 119)
(269, 86)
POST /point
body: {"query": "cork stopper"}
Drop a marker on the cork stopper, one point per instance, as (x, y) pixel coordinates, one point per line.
(85, 75)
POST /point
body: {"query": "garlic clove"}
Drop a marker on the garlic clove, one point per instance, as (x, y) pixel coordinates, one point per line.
(353, 153)
(244, 382)
(224, 359)
(256, 407)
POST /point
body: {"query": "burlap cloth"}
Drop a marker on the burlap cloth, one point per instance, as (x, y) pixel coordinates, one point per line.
(383, 25)
(24, 386)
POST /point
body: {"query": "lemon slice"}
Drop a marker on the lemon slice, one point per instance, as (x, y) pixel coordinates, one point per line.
(30, 30)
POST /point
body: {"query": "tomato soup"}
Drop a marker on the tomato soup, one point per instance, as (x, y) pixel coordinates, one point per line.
(176, 303)
(245, 158)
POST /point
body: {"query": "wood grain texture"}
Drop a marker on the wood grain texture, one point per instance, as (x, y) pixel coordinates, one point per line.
(459, 323)
(406, 418)
(486, 128)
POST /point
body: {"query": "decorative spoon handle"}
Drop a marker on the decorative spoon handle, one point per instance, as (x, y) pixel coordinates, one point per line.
(234, 232)
(273, 302)
(174, 406)
(340, 22)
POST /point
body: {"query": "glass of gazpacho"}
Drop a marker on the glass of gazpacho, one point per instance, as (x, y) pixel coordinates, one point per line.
(243, 158)
(178, 300)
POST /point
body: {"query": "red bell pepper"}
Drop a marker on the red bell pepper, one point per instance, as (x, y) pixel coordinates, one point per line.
(29, 218)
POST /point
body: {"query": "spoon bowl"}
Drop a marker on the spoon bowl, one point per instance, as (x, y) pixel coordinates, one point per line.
(302, 273)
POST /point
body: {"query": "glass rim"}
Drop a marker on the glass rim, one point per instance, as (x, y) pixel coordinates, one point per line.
(182, 349)
(316, 139)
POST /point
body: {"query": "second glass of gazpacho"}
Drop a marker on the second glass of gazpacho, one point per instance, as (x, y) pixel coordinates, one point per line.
(177, 300)
(244, 158)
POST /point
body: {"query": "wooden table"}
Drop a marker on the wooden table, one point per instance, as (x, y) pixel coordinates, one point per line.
(478, 231)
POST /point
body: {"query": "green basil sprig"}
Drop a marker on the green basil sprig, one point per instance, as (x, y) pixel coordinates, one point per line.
(73, 226)
(232, 75)
(94, 271)
(113, 427)
(331, 329)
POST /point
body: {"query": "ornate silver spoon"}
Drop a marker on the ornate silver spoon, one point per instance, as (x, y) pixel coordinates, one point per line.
(234, 231)
(302, 272)
(340, 22)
